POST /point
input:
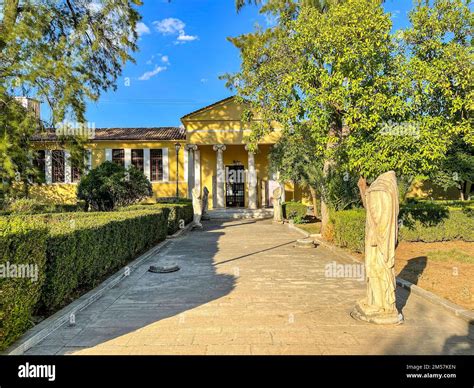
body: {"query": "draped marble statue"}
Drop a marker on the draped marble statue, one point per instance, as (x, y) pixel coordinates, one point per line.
(381, 229)
(197, 208)
(277, 206)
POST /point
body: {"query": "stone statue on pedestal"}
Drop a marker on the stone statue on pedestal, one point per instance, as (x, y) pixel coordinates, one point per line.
(205, 196)
(381, 229)
(277, 206)
(197, 209)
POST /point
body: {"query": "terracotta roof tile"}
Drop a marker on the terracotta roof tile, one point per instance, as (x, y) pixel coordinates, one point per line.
(156, 133)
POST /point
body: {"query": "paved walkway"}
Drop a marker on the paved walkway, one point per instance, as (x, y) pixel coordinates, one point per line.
(245, 289)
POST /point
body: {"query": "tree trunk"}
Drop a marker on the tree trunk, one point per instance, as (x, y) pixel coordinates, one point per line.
(315, 201)
(462, 190)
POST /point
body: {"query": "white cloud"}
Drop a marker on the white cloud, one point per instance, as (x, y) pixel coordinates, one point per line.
(182, 37)
(142, 29)
(173, 26)
(149, 74)
(169, 26)
(204, 80)
(165, 59)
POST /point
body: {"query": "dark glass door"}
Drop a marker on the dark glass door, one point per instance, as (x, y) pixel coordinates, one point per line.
(235, 186)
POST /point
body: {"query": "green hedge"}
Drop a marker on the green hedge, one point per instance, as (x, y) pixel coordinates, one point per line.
(82, 248)
(418, 222)
(178, 211)
(32, 206)
(295, 211)
(349, 229)
(20, 243)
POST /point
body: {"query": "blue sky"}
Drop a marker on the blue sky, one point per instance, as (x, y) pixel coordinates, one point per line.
(183, 50)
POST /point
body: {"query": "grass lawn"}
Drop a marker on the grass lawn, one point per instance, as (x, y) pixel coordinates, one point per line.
(444, 268)
(311, 228)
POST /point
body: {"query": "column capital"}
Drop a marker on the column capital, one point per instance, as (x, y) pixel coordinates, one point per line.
(249, 148)
(191, 147)
(219, 147)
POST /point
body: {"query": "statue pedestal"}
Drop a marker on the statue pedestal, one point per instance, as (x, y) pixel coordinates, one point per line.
(363, 312)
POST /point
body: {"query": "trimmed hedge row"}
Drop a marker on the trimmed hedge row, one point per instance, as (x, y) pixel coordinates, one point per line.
(22, 249)
(74, 252)
(417, 223)
(295, 211)
(181, 211)
(85, 247)
(32, 206)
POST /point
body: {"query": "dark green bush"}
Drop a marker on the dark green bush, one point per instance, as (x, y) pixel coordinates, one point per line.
(295, 211)
(109, 186)
(82, 248)
(24, 243)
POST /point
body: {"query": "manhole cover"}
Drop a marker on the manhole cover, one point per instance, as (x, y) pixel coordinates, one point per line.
(167, 268)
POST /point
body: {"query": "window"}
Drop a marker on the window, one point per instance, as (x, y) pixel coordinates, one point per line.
(118, 156)
(137, 159)
(40, 164)
(156, 165)
(75, 173)
(58, 166)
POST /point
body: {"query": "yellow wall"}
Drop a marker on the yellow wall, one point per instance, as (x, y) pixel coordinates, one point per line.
(221, 124)
(66, 193)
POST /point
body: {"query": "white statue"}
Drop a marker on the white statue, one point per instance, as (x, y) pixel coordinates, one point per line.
(204, 201)
(381, 231)
(277, 206)
(197, 209)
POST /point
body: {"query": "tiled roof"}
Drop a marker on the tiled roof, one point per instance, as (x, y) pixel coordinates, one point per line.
(157, 133)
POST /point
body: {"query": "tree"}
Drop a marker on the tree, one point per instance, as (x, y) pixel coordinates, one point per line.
(110, 186)
(457, 169)
(346, 73)
(294, 160)
(64, 52)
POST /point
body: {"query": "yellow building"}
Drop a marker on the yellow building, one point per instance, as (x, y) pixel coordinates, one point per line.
(209, 151)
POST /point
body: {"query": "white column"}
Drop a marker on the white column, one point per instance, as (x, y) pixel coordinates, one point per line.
(166, 170)
(190, 149)
(252, 180)
(197, 169)
(127, 157)
(48, 166)
(67, 167)
(146, 163)
(108, 154)
(220, 175)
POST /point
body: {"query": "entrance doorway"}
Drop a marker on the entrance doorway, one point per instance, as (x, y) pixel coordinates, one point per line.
(235, 186)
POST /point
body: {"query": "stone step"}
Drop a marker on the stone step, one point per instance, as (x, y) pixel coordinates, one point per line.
(220, 214)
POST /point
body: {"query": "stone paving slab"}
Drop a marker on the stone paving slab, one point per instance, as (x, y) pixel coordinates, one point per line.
(244, 288)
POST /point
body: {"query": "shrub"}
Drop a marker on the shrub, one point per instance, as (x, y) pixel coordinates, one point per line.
(109, 186)
(423, 223)
(349, 229)
(21, 242)
(295, 211)
(178, 211)
(82, 248)
(33, 206)
(458, 225)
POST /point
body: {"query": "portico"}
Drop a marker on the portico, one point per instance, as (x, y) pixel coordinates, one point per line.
(219, 158)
